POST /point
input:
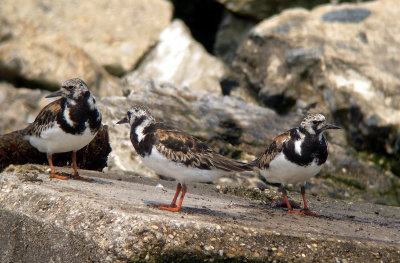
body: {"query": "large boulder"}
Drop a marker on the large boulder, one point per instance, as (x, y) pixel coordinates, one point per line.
(179, 59)
(112, 220)
(43, 43)
(344, 58)
(45, 62)
(115, 33)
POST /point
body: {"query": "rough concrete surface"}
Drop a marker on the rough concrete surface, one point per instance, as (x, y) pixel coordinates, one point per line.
(43, 220)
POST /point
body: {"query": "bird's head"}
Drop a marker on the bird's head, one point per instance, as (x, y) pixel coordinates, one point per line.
(73, 90)
(137, 115)
(316, 123)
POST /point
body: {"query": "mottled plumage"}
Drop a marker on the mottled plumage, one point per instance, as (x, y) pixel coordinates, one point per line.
(174, 153)
(296, 155)
(67, 124)
(263, 161)
(45, 119)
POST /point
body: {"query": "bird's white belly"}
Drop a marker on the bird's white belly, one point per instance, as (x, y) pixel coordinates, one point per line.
(285, 172)
(54, 140)
(178, 171)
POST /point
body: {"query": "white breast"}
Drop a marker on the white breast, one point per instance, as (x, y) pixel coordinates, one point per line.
(178, 171)
(285, 172)
(54, 140)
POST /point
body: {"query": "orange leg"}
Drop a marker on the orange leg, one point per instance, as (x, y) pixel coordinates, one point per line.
(53, 173)
(305, 210)
(173, 207)
(76, 174)
(289, 207)
(184, 190)
(178, 189)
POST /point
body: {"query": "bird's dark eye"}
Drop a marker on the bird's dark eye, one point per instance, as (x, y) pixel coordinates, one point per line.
(315, 122)
(69, 87)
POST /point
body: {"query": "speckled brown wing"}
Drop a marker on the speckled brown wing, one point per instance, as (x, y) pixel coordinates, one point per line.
(45, 119)
(184, 148)
(274, 148)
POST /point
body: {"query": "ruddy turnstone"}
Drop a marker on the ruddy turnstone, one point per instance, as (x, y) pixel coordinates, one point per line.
(296, 155)
(67, 124)
(176, 154)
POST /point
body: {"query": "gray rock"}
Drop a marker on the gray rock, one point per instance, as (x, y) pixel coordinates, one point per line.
(115, 34)
(111, 220)
(344, 58)
(179, 59)
(46, 61)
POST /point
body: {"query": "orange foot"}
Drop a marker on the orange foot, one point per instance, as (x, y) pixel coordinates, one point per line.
(309, 213)
(172, 208)
(296, 212)
(57, 176)
(78, 177)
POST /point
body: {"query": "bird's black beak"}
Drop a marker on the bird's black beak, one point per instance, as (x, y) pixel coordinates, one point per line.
(124, 120)
(55, 94)
(331, 126)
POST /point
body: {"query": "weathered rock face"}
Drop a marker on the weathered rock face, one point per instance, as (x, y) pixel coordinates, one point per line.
(111, 220)
(179, 59)
(44, 43)
(115, 33)
(45, 62)
(343, 57)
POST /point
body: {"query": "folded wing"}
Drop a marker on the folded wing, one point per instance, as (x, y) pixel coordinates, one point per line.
(184, 148)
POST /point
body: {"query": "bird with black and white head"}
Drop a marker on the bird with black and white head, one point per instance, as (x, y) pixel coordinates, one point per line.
(176, 154)
(66, 125)
(295, 156)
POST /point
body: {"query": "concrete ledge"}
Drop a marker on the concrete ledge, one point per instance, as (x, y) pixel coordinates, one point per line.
(43, 220)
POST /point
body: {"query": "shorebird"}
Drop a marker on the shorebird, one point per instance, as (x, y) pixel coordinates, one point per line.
(176, 154)
(65, 125)
(295, 156)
